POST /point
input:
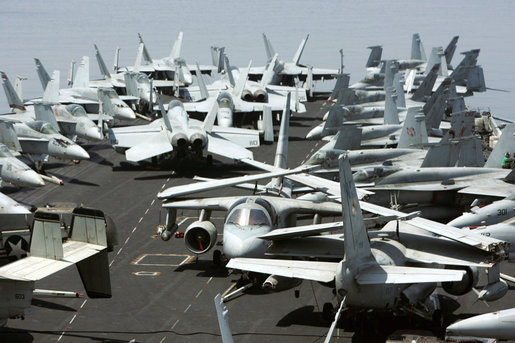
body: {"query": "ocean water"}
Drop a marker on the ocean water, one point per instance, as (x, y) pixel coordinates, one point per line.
(59, 31)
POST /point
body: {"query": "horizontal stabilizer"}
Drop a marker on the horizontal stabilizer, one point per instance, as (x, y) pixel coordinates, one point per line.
(159, 144)
(222, 147)
(308, 270)
(387, 274)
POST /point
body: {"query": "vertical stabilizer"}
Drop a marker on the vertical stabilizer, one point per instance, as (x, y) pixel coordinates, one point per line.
(399, 90)
(82, 76)
(348, 138)
(146, 55)
(505, 144)
(8, 136)
(131, 85)
(14, 101)
(426, 88)
(209, 121)
(269, 74)
(44, 112)
(270, 52)
(46, 238)
(101, 64)
(176, 49)
(417, 49)
(450, 49)
(201, 84)
(391, 115)
(51, 93)
(268, 125)
(89, 226)
(242, 80)
(223, 320)
(342, 82)
(462, 124)
(217, 56)
(116, 59)
(228, 71)
(18, 85)
(436, 113)
(139, 56)
(392, 67)
(414, 131)
(375, 56)
(434, 59)
(42, 73)
(281, 154)
(356, 241)
(298, 53)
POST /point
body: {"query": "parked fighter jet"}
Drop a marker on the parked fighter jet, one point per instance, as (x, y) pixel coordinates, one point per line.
(37, 139)
(81, 93)
(15, 171)
(71, 120)
(176, 133)
(172, 67)
(371, 275)
(498, 325)
(494, 213)
(286, 73)
(86, 248)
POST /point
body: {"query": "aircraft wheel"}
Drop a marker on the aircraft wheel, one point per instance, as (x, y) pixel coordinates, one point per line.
(328, 312)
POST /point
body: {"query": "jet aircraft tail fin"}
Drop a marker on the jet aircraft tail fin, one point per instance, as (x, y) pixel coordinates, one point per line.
(101, 64)
(177, 45)
(391, 115)
(270, 52)
(242, 80)
(505, 145)
(51, 93)
(342, 82)
(426, 88)
(217, 56)
(417, 48)
(42, 73)
(375, 56)
(146, 55)
(450, 49)
(8, 136)
(13, 99)
(414, 131)
(82, 76)
(269, 73)
(348, 138)
(300, 50)
(399, 90)
(201, 84)
(45, 113)
(356, 241)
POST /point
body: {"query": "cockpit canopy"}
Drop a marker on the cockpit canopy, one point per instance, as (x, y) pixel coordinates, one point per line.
(42, 127)
(5, 152)
(76, 110)
(371, 173)
(250, 212)
(325, 157)
(225, 100)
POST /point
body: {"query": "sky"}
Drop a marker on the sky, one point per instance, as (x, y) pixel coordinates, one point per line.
(59, 31)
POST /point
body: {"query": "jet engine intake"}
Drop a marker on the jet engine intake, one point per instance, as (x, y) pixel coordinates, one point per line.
(200, 237)
(278, 283)
(464, 286)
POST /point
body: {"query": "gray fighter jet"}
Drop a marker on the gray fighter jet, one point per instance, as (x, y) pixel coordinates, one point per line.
(178, 134)
(286, 72)
(494, 213)
(15, 171)
(81, 93)
(71, 120)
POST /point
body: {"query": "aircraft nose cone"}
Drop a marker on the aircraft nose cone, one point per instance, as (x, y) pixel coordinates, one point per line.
(124, 113)
(30, 178)
(188, 79)
(480, 326)
(76, 152)
(93, 133)
(239, 244)
(315, 133)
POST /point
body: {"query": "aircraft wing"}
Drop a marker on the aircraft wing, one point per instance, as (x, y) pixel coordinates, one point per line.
(221, 183)
(223, 147)
(387, 274)
(200, 106)
(489, 187)
(34, 268)
(312, 181)
(308, 270)
(246, 138)
(469, 238)
(302, 231)
(214, 204)
(157, 144)
(128, 136)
